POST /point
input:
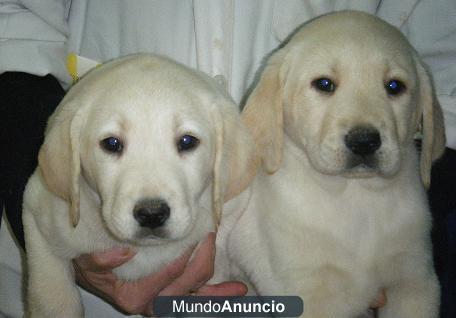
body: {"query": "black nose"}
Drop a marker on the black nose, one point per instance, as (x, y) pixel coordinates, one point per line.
(363, 140)
(151, 213)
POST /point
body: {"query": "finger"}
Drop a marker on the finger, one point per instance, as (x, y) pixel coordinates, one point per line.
(380, 301)
(104, 261)
(100, 284)
(198, 271)
(223, 289)
(147, 288)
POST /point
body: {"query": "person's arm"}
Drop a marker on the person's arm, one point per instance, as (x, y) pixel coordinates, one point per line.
(183, 276)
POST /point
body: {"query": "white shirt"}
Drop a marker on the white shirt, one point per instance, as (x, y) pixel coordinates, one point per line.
(219, 37)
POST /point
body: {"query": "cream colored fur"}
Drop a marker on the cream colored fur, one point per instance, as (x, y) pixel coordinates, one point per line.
(81, 198)
(313, 226)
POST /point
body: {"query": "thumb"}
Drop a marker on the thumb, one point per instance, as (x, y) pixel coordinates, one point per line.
(106, 260)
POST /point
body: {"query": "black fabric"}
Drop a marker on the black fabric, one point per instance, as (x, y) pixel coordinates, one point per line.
(442, 199)
(26, 102)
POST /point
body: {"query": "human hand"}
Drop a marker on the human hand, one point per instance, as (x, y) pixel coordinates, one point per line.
(181, 277)
(380, 301)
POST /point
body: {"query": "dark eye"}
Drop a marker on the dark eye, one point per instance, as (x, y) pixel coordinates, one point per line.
(112, 144)
(186, 143)
(394, 87)
(324, 85)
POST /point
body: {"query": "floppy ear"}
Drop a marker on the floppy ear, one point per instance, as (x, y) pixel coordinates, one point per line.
(236, 160)
(59, 159)
(433, 142)
(263, 115)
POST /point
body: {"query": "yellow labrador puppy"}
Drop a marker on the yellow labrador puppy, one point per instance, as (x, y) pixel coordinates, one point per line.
(137, 154)
(344, 213)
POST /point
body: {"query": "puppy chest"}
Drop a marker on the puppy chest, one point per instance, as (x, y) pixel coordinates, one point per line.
(364, 223)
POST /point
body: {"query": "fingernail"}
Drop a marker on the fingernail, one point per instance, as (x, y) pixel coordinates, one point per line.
(210, 237)
(123, 252)
(127, 252)
(206, 240)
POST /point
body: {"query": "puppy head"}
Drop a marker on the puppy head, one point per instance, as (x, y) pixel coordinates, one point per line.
(350, 91)
(158, 144)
